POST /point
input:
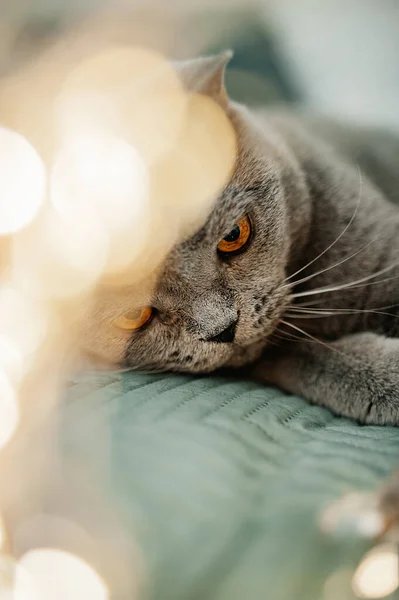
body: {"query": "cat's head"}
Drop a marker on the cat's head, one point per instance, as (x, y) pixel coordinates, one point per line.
(219, 295)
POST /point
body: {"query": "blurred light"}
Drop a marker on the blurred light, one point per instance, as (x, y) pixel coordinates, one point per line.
(15, 582)
(23, 327)
(9, 412)
(2, 534)
(59, 575)
(355, 514)
(50, 531)
(100, 176)
(60, 257)
(23, 586)
(11, 359)
(187, 181)
(378, 574)
(125, 91)
(22, 182)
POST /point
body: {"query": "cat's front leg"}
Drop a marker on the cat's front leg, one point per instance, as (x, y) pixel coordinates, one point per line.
(356, 376)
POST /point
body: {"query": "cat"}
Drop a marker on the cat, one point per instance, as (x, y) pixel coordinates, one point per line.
(306, 293)
(294, 276)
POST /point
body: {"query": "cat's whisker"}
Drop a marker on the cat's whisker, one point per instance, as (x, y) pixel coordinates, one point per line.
(377, 282)
(299, 313)
(309, 310)
(271, 341)
(338, 238)
(343, 286)
(341, 262)
(308, 304)
(309, 315)
(353, 287)
(377, 310)
(286, 335)
(311, 337)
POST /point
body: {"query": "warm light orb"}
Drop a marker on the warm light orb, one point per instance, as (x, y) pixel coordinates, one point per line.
(15, 581)
(187, 181)
(378, 574)
(2, 533)
(128, 91)
(60, 257)
(355, 513)
(22, 182)
(23, 327)
(11, 358)
(9, 412)
(62, 576)
(100, 176)
(101, 180)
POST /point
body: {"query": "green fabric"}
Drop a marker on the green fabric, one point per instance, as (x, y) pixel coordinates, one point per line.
(222, 482)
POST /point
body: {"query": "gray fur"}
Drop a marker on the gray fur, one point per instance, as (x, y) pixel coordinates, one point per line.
(321, 198)
(301, 181)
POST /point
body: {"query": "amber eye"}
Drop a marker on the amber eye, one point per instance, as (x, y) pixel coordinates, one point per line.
(135, 319)
(237, 238)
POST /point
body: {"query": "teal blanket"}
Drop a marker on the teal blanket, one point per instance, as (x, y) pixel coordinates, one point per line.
(221, 483)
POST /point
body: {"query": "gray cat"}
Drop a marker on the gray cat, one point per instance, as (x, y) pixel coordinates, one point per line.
(295, 272)
(297, 266)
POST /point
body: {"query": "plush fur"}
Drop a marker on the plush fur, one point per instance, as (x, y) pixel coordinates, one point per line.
(321, 200)
(309, 295)
(314, 297)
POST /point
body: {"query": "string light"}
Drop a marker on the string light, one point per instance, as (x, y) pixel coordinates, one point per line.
(60, 575)
(378, 574)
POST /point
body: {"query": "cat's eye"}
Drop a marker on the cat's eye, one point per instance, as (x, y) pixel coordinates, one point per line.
(238, 237)
(135, 319)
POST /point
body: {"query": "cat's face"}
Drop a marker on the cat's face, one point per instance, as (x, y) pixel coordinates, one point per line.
(220, 294)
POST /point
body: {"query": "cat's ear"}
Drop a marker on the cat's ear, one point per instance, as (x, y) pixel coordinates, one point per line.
(205, 75)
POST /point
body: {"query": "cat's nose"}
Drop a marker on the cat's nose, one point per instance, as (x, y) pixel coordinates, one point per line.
(227, 335)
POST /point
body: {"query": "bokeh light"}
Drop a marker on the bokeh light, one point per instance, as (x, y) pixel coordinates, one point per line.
(11, 358)
(60, 257)
(377, 576)
(187, 181)
(62, 576)
(353, 514)
(9, 411)
(23, 327)
(102, 178)
(2, 533)
(15, 581)
(125, 91)
(22, 182)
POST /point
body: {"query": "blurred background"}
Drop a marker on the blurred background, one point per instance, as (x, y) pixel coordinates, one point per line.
(339, 56)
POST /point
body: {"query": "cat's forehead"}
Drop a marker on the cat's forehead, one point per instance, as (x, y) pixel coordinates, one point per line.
(251, 189)
(231, 205)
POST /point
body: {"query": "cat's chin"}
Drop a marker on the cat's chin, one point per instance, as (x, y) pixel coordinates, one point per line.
(244, 355)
